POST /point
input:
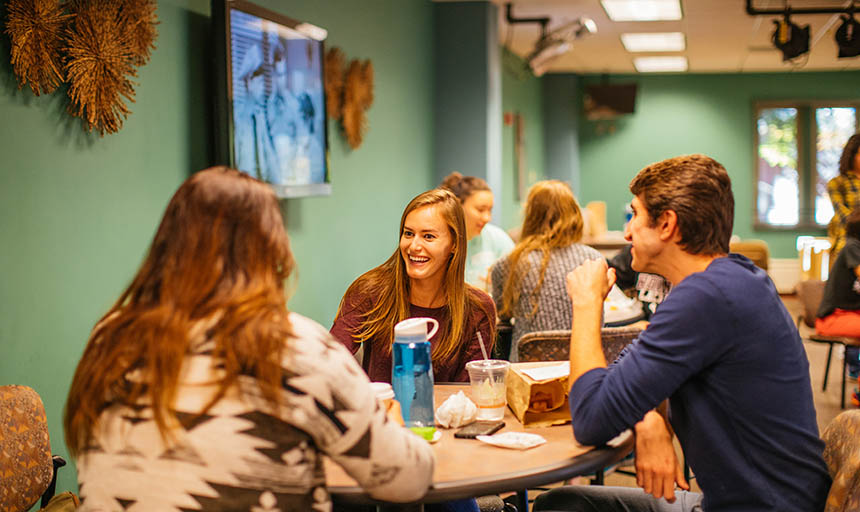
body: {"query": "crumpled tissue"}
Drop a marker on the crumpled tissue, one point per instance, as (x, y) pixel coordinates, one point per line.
(456, 411)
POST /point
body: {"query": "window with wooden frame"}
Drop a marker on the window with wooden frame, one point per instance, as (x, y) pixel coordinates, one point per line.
(797, 148)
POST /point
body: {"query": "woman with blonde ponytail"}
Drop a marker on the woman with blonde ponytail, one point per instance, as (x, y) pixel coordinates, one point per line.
(529, 284)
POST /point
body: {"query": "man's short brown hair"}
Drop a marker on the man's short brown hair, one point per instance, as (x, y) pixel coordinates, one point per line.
(698, 189)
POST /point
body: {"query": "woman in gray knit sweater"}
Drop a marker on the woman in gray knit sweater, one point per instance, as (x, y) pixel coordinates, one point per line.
(528, 285)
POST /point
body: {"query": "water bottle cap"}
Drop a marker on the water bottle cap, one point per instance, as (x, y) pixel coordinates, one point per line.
(412, 327)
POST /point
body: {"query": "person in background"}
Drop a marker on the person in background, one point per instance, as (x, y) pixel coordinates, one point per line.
(486, 242)
(721, 349)
(528, 284)
(422, 278)
(844, 191)
(199, 389)
(651, 289)
(839, 311)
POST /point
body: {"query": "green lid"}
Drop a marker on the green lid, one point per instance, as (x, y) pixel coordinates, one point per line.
(425, 432)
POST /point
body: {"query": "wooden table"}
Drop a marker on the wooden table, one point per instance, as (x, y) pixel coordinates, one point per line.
(466, 468)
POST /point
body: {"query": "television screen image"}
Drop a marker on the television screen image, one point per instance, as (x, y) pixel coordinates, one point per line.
(275, 99)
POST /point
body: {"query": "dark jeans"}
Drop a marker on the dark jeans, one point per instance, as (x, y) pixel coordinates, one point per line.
(467, 505)
(598, 498)
(852, 359)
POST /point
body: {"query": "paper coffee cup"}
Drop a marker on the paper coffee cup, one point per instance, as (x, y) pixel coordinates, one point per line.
(384, 393)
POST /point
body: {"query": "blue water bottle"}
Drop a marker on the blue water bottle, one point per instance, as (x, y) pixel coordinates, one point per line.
(412, 371)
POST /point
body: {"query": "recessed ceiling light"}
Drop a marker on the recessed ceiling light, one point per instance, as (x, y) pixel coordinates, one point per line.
(654, 42)
(660, 64)
(642, 10)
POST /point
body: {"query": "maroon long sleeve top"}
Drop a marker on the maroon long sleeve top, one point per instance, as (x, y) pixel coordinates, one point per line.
(377, 358)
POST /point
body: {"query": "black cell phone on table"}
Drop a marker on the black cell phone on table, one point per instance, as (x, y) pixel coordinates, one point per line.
(479, 428)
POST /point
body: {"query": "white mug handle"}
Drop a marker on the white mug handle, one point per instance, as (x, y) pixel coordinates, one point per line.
(434, 329)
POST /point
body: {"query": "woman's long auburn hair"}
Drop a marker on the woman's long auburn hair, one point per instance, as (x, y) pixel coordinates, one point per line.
(389, 283)
(221, 254)
(552, 220)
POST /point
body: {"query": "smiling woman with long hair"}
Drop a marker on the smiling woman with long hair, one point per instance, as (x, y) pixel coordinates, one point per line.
(199, 389)
(423, 278)
(529, 284)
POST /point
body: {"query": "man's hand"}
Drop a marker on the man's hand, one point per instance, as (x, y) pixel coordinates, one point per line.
(657, 467)
(590, 282)
(587, 286)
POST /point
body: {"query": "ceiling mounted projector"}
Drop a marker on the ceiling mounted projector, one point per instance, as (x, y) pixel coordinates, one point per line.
(555, 43)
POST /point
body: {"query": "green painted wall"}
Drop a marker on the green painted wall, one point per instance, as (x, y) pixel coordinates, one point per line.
(521, 93)
(77, 211)
(711, 114)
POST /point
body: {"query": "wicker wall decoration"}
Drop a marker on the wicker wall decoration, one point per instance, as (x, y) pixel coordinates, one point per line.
(349, 93)
(142, 19)
(335, 62)
(357, 98)
(35, 28)
(97, 46)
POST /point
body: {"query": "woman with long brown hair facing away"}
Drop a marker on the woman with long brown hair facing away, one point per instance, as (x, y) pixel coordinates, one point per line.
(423, 278)
(198, 389)
(529, 283)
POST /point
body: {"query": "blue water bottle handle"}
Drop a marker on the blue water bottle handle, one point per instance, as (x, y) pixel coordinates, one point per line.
(409, 384)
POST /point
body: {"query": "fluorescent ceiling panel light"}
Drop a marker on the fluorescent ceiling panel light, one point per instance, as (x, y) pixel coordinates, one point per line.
(642, 10)
(654, 42)
(660, 64)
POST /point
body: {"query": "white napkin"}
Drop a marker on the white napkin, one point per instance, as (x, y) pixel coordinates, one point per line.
(456, 411)
(516, 440)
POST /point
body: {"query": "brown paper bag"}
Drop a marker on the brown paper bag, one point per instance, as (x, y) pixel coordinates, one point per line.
(537, 403)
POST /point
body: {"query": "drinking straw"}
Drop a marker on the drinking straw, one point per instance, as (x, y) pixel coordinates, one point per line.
(483, 350)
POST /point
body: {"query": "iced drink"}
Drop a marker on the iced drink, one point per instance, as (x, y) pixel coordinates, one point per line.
(488, 387)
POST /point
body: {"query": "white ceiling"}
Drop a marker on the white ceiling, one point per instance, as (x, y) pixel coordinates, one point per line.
(721, 36)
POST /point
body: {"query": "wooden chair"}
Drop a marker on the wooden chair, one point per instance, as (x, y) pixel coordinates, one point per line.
(755, 250)
(810, 294)
(555, 345)
(842, 455)
(29, 472)
(502, 347)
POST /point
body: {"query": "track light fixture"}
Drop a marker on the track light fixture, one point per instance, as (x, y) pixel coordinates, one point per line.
(848, 36)
(793, 40)
(789, 38)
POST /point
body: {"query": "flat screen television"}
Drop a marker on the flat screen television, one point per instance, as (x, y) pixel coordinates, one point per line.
(608, 101)
(269, 98)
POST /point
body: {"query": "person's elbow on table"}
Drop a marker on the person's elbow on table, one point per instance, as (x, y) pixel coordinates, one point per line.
(590, 428)
(409, 480)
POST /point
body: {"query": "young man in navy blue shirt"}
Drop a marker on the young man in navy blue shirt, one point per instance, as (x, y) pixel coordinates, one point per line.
(722, 350)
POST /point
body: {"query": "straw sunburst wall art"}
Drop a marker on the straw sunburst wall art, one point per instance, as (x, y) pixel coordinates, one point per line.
(37, 29)
(349, 93)
(94, 45)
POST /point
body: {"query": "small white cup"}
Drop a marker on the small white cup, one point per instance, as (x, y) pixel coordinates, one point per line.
(384, 393)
